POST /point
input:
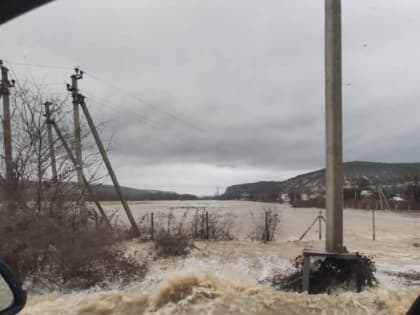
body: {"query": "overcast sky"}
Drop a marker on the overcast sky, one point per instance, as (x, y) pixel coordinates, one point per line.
(200, 94)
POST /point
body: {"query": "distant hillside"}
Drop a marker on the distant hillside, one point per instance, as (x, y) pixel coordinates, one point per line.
(108, 193)
(253, 189)
(370, 172)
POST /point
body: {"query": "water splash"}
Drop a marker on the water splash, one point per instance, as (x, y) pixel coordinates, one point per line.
(208, 293)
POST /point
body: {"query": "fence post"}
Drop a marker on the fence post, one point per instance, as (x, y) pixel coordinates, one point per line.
(207, 225)
(373, 225)
(267, 236)
(202, 223)
(196, 222)
(306, 271)
(320, 224)
(152, 226)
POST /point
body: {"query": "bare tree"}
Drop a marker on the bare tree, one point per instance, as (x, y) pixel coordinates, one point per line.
(33, 188)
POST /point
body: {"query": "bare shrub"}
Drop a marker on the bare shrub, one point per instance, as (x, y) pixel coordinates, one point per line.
(198, 224)
(220, 227)
(265, 225)
(329, 274)
(171, 235)
(145, 227)
(65, 250)
(174, 235)
(211, 226)
(172, 245)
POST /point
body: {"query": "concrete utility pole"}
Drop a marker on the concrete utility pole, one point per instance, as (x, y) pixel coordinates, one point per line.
(74, 89)
(74, 161)
(5, 86)
(51, 141)
(334, 137)
(108, 166)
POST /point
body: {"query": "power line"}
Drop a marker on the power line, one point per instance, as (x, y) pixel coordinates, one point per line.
(142, 101)
(95, 99)
(139, 118)
(10, 62)
(112, 85)
(104, 102)
(40, 84)
(52, 84)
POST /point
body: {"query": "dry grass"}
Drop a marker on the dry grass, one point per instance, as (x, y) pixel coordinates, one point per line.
(65, 249)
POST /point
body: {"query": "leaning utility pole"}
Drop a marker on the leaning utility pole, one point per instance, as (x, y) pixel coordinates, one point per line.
(5, 86)
(108, 165)
(74, 89)
(73, 159)
(51, 142)
(334, 137)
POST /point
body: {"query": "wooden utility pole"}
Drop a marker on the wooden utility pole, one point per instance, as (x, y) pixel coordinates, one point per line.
(74, 89)
(5, 86)
(51, 142)
(108, 165)
(334, 137)
(76, 165)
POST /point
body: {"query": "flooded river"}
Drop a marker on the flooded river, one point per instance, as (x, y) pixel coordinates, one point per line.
(223, 277)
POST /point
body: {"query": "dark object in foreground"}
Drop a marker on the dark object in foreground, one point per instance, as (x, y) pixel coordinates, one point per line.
(329, 274)
(415, 308)
(13, 297)
(12, 8)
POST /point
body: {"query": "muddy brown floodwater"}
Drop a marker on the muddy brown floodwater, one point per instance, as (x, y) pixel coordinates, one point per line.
(223, 277)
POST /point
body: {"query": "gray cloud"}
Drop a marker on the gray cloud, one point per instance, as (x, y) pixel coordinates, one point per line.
(244, 80)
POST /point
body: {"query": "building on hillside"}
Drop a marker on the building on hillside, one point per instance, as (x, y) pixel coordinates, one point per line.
(397, 198)
(284, 197)
(304, 196)
(366, 193)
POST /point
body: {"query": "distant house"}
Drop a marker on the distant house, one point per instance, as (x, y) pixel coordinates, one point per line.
(285, 197)
(397, 198)
(366, 193)
(304, 196)
(244, 196)
(316, 193)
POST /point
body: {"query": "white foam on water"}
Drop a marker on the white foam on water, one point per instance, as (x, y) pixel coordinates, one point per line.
(208, 293)
(222, 277)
